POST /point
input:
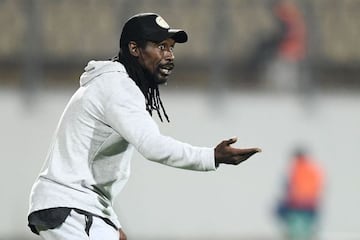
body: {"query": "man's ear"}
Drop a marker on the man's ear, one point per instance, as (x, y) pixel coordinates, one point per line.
(133, 48)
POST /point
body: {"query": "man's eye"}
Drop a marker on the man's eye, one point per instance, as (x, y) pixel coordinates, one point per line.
(161, 47)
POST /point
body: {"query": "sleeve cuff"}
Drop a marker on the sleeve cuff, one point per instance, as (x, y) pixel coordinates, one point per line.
(209, 159)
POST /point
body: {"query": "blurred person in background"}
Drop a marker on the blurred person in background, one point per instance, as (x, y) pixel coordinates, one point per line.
(279, 58)
(299, 208)
(109, 116)
(284, 72)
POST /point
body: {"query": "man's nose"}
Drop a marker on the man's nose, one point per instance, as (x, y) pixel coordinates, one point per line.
(169, 55)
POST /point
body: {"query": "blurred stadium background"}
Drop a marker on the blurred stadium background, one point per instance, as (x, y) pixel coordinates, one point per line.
(216, 92)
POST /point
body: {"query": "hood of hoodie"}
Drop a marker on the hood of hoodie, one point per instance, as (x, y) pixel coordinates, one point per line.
(95, 68)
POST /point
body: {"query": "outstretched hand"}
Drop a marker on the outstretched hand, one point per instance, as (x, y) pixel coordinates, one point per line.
(226, 154)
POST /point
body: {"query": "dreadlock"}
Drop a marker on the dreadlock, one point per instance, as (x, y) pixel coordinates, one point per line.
(143, 80)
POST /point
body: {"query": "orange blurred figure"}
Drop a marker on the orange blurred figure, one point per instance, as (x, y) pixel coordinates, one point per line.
(305, 182)
(299, 208)
(293, 43)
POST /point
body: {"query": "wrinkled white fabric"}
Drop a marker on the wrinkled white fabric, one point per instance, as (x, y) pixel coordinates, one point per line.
(88, 162)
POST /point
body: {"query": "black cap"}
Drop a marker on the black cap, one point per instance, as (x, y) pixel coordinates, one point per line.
(151, 27)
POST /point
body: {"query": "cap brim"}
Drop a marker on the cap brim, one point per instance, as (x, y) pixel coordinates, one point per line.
(179, 35)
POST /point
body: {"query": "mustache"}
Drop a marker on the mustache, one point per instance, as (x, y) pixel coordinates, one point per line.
(169, 65)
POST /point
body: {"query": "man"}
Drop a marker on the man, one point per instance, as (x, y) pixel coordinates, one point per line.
(284, 71)
(106, 119)
(299, 207)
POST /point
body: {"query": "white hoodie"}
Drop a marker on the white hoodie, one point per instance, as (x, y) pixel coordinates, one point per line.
(88, 162)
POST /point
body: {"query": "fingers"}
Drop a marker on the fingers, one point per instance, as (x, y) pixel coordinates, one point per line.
(241, 158)
(242, 155)
(245, 151)
(224, 153)
(231, 141)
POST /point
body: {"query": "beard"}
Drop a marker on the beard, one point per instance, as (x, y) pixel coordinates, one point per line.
(151, 79)
(162, 73)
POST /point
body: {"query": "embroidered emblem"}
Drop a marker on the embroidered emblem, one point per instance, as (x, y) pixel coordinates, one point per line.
(161, 22)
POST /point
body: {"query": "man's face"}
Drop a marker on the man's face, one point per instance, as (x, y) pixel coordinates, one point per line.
(158, 59)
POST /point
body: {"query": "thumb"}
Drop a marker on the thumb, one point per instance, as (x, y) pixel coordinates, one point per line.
(231, 140)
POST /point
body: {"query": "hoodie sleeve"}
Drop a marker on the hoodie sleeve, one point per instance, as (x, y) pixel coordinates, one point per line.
(125, 112)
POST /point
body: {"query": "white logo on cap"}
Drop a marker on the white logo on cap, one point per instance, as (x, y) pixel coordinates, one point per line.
(161, 22)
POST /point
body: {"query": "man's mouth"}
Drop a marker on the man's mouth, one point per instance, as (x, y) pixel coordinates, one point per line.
(166, 69)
